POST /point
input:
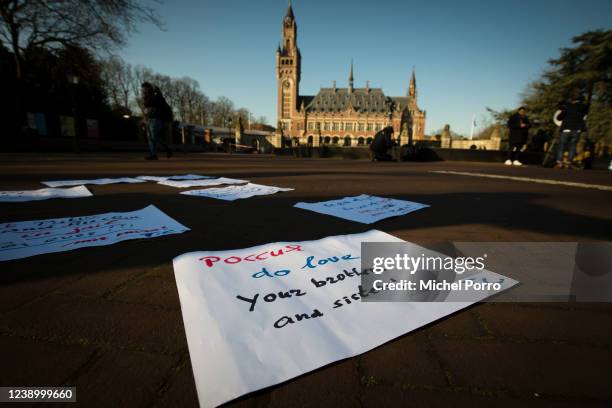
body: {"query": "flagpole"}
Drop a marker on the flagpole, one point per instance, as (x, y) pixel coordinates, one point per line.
(472, 127)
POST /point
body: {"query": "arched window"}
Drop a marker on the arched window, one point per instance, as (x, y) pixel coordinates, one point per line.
(369, 140)
(360, 141)
(310, 140)
(335, 140)
(327, 139)
(347, 141)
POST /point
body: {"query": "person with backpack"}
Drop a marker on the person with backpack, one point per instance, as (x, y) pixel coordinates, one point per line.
(156, 112)
(573, 123)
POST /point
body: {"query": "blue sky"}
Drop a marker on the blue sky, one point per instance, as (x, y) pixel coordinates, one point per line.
(468, 54)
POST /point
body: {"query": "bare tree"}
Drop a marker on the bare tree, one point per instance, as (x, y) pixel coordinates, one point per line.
(203, 109)
(222, 109)
(244, 115)
(188, 102)
(118, 79)
(187, 95)
(95, 24)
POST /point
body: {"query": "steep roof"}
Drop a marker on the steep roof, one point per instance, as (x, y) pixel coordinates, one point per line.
(371, 100)
(401, 102)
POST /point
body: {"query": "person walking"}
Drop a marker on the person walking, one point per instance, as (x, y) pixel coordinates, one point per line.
(156, 112)
(518, 125)
(573, 122)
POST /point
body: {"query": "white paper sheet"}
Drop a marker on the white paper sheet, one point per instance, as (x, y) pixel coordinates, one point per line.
(231, 193)
(44, 194)
(363, 208)
(64, 183)
(234, 345)
(201, 183)
(177, 177)
(28, 238)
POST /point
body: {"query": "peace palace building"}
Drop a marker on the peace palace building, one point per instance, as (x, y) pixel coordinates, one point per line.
(340, 116)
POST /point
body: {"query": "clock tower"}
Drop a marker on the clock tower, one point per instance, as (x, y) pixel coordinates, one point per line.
(288, 67)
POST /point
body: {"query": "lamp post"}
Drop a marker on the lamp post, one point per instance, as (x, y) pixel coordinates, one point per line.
(73, 80)
(229, 132)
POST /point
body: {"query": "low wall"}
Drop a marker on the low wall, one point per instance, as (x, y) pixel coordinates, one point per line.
(337, 152)
(486, 155)
(443, 154)
(67, 144)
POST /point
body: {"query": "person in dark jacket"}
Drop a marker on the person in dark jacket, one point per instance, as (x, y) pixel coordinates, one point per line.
(156, 112)
(381, 144)
(519, 125)
(573, 123)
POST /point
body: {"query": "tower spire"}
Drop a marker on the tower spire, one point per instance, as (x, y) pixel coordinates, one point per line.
(289, 10)
(412, 87)
(351, 78)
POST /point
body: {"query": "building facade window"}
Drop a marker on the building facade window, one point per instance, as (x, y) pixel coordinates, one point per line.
(361, 126)
(369, 127)
(326, 126)
(348, 127)
(286, 99)
(336, 126)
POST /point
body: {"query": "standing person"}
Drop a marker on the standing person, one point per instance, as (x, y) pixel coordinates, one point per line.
(519, 125)
(573, 123)
(156, 112)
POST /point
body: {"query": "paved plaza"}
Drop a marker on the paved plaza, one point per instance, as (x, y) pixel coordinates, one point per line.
(108, 320)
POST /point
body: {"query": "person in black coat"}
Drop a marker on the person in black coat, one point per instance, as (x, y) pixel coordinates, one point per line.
(519, 125)
(573, 123)
(156, 112)
(381, 144)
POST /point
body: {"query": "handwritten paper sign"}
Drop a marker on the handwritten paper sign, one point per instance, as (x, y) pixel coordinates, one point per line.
(63, 183)
(364, 208)
(259, 316)
(178, 177)
(201, 183)
(232, 193)
(29, 238)
(44, 194)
